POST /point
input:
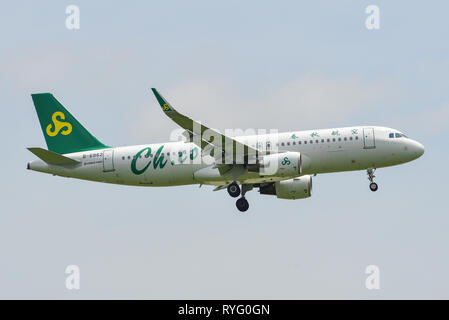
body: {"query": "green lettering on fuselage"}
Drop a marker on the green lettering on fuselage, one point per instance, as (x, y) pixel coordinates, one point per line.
(182, 158)
(136, 157)
(158, 160)
(194, 153)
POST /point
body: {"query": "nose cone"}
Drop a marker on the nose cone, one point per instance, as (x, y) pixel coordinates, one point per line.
(416, 148)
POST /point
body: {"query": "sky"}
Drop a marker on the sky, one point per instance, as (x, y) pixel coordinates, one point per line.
(287, 65)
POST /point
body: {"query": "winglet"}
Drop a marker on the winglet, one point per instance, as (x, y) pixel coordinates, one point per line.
(52, 157)
(166, 107)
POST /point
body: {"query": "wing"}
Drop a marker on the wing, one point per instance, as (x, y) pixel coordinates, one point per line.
(205, 137)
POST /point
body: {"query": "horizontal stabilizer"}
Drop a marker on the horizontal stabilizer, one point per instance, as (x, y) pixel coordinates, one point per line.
(51, 157)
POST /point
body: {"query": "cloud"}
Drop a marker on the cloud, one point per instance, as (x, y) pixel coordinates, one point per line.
(431, 121)
(46, 67)
(310, 101)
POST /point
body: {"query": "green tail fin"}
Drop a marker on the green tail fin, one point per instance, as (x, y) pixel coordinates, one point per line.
(62, 132)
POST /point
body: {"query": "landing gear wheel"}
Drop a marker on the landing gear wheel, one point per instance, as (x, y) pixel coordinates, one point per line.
(373, 186)
(242, 204)
(234, 190)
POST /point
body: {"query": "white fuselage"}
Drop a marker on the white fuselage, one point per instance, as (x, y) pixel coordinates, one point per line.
(181, 163)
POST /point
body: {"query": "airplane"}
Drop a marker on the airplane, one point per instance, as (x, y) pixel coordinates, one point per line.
(280, 164)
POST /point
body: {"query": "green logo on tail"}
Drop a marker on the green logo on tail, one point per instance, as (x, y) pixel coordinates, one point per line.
(58, 125)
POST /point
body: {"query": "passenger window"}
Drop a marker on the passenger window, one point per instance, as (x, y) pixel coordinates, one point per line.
(322, 140)
(317, 140)
(123, 158)
(299, 142)
(350, 138)
(339, 139)
(345, 139)
(294, 143)
(333, 139)
(356, 137)
(328, 140)
(305, 142)
(288, 143)
(311, 141)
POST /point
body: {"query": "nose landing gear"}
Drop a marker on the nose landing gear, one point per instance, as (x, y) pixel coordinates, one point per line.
(373, 186)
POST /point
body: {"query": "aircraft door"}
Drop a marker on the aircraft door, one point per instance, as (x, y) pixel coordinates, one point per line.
(108, 160)
(369, 141)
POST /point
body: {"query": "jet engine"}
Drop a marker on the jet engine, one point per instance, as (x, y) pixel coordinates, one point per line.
(296, 188)
(286, 164)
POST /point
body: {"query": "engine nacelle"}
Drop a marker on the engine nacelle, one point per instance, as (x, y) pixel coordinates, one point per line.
(286, 164)
(296, 188)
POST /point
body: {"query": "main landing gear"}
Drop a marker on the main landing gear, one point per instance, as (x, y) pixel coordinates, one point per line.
(242, 204)
(234, 191)
(373, 186)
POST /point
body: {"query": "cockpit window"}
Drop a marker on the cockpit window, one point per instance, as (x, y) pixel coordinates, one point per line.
(397, 135)
(400, 135)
